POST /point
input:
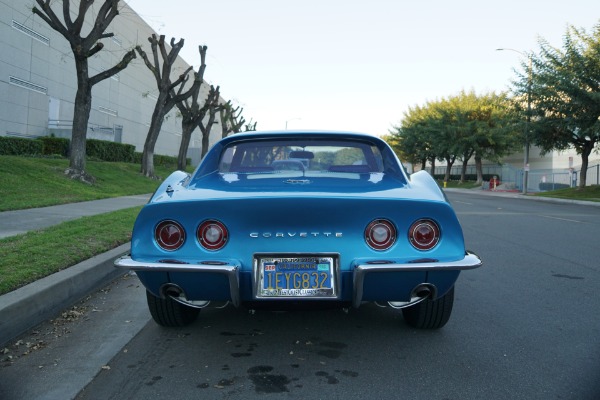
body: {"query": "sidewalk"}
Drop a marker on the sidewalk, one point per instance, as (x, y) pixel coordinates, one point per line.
(21, 221)
(32, 304)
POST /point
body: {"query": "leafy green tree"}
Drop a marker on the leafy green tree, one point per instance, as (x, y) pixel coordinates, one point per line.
(446, 130)
(565, 90)
(413, 137)
(491, 130)
(458, 127)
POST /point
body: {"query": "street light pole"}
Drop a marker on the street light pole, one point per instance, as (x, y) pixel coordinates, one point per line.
(528, 121)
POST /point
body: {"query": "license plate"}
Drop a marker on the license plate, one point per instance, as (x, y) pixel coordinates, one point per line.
(296, 277)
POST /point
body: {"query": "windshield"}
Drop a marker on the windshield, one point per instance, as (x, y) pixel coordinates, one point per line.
(301, 156)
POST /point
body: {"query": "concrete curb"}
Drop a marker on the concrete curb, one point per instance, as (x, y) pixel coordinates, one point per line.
(30, 305)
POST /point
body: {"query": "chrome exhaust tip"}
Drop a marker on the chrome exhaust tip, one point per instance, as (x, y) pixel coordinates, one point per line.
(176, 293)
(419, 293)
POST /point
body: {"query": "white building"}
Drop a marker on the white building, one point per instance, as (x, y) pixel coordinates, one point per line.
(38, 82)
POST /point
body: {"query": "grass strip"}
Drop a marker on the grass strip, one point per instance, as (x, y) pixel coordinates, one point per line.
(28, 257)
(27, 182)
(588, 193)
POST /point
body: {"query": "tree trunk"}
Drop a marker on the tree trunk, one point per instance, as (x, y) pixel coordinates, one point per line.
(585, 154)
(206, 131)
(463, 171)
(81, 112)
(187, 127)
(423, 164)
(449, 164)
(81, 115)
(447, 175)
(205, 144)
(432, 161)
(479, 168)
(148, 155)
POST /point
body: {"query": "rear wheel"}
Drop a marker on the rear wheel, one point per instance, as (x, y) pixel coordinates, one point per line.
(168, 312)
(430, 314)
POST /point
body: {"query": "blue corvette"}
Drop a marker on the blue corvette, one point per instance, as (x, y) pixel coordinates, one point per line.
(297, 217)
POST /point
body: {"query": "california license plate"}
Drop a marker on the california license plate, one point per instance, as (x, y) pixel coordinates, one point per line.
(296, 277)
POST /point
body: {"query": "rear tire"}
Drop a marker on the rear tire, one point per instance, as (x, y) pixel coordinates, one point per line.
(170, 313)
(430, 314)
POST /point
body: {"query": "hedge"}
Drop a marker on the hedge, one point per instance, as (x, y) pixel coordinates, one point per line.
(96, 149)
(109, 151)
(468, 177)
(53, 145)
(166, 161)
(14, 146)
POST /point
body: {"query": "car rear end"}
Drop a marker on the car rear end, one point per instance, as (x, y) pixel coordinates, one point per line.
(348, 227)
(289, 245)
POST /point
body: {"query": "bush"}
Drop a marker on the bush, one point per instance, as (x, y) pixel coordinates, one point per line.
(548, 186)
(95, 149)
(109, 151)
(55, 146)
(468, 177)
(166, 161)
(13, 146)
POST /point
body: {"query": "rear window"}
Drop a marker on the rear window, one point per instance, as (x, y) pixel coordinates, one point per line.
(301, 156)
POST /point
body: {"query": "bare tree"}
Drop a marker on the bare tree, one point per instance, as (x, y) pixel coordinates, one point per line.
(83, 48)
(168, 96)
(231, 119)
(250, 126)
(212, 107)
(191, 112)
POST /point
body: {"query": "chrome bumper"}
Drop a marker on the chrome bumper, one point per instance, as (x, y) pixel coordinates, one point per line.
(470, 261)
(232, 271)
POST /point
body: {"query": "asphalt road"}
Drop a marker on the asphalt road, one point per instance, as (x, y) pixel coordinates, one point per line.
(525, 326)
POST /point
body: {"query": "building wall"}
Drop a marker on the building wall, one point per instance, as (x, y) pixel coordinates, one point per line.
(555, 160)
(38, 81)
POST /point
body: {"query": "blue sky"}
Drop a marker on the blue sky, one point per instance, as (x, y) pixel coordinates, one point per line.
(358, 65)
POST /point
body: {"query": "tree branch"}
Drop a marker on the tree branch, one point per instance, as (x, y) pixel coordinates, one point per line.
(107, 13)
(181, 80)
(130, 55)
(84, 6)
(50, 17)
(151, 67)
(67, 14)
(99, 46)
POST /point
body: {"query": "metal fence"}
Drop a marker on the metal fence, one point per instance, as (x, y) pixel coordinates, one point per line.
(538, 180)
(490, 169)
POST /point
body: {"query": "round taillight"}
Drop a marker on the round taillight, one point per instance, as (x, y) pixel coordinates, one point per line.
(424, 234)
(212, 235)
(169, 235)
(380, 234)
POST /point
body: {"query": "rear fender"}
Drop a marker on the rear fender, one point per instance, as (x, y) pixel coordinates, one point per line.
(174, 182)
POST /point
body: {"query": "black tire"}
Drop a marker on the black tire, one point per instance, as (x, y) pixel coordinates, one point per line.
(168, 312)
(430, 314)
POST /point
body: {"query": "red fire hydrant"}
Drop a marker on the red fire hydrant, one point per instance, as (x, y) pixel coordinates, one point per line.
(494, 182)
